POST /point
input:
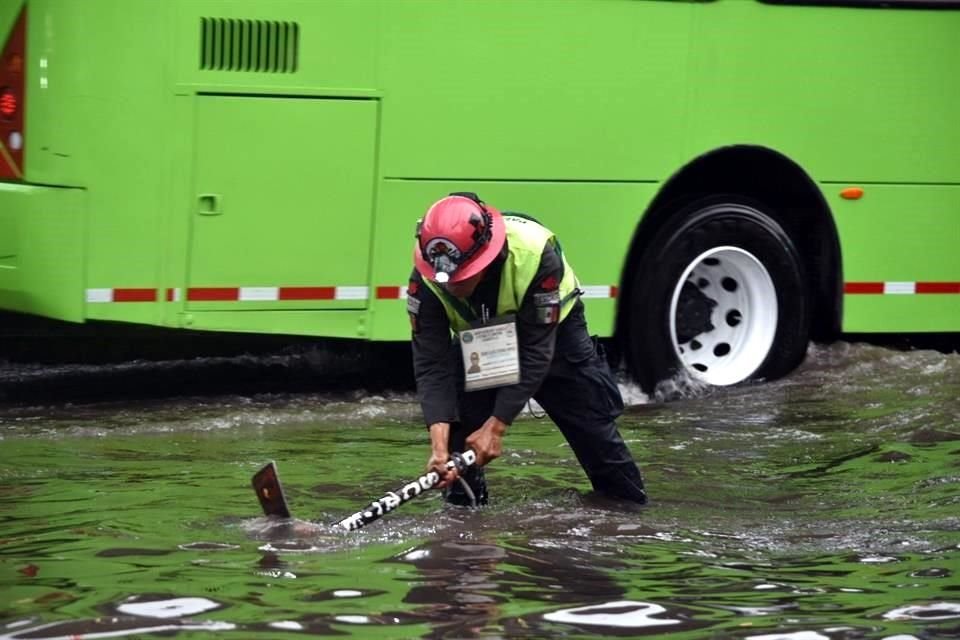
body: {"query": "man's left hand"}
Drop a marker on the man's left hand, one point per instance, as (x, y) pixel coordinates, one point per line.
(486, 441)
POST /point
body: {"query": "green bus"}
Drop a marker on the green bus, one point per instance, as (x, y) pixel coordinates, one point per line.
(730, 179)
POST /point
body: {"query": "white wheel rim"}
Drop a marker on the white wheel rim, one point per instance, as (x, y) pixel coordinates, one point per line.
(744, 318)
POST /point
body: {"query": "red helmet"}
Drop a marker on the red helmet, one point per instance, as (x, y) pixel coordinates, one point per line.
(459, 237)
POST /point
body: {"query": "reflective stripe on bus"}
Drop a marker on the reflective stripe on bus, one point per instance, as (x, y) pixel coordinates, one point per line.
(228, 294)
(283, 294)
(900, 288)
(589, 291)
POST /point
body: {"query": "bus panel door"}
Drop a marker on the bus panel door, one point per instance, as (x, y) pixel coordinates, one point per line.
(283, 203)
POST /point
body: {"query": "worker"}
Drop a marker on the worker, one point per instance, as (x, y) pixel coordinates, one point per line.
(499, 286)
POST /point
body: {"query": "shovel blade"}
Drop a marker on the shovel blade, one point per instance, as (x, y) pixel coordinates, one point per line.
(266, 484)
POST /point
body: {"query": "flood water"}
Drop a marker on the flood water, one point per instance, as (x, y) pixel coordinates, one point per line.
(825, 505)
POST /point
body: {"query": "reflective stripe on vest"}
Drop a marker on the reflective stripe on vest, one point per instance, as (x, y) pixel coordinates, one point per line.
(526, 240)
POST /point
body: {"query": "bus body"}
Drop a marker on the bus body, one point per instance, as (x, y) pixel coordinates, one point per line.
(253, 166)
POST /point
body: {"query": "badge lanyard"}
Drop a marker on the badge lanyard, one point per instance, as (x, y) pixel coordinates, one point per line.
(491, 355)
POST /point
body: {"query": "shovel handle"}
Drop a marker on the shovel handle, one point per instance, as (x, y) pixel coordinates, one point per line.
(379, 508)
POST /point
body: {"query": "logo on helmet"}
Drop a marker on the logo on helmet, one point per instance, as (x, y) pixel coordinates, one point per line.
(442, 247)
(444, 257)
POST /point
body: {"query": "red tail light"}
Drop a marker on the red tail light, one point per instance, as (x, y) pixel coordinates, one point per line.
(12, 89)
(8, 103)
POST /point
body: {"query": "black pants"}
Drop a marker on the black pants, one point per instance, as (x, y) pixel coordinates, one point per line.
(582, 398)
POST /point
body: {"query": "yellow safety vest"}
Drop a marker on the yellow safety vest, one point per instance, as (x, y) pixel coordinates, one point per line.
(526, 240)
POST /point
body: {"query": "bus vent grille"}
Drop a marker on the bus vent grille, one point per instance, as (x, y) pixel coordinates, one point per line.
(265, 46)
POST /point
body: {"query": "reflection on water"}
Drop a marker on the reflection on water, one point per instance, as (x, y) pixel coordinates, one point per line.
(826, 505)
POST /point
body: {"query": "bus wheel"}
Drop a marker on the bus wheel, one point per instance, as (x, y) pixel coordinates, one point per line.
(720, 294)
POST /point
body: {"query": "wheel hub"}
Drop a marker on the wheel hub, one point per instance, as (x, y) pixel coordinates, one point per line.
(723, 316)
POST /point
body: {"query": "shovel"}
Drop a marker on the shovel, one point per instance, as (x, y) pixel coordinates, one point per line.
(266, 484)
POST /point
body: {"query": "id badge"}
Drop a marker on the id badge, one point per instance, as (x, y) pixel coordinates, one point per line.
(491, 357)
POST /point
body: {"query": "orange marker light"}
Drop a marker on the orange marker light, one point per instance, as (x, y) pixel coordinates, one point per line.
(851, 193)
(15, 64)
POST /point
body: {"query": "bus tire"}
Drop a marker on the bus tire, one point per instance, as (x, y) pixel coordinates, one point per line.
(720, 294)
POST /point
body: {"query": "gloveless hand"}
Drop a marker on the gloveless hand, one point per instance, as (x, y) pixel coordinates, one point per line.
(440, 455)
(487, 440)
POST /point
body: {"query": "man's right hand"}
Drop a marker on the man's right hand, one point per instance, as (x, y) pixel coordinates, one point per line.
(440, 454)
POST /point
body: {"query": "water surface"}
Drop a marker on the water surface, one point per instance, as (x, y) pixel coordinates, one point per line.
(826, 505)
